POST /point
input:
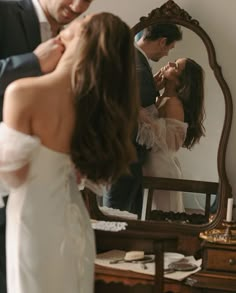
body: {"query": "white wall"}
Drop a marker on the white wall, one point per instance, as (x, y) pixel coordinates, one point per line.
(217, 17)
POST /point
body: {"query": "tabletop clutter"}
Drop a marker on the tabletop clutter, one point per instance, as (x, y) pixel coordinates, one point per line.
(176, 265)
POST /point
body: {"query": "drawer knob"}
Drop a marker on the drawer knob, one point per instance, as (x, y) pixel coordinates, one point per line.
(232, 261)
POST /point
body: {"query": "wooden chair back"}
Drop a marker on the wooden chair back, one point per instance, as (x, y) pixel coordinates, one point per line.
(151, 184)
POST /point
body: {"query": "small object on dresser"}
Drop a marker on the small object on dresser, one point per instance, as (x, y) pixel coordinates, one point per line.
(221, 236)
(134, 255)
(182, 266)
(229, 212)
(170, 257)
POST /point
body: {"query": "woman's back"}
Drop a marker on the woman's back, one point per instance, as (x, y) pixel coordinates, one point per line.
(47, 109)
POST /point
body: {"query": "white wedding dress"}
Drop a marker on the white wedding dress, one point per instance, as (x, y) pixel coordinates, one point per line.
(50, 242)
(164, 137)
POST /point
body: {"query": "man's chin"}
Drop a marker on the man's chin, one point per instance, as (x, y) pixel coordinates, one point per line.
(66, 18)
(65, 21)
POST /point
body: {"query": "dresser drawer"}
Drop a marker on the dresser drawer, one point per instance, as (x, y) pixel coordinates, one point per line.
(220, 260)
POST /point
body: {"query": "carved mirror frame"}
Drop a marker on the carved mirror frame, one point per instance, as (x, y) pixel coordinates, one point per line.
(170, 12)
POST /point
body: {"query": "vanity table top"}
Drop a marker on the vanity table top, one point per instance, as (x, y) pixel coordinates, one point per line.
(132, 279)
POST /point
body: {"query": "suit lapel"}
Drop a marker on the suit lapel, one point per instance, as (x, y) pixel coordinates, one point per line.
(30, 23)
(144, 63)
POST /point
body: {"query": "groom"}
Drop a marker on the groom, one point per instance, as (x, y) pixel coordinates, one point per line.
(24, 25)
(156, 42)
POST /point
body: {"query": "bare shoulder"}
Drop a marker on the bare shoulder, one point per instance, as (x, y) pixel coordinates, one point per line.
(174, 108)
(21, 91)
(19, 101)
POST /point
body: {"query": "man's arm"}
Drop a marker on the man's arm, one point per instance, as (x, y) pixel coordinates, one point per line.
(43, 60)
(16, 67)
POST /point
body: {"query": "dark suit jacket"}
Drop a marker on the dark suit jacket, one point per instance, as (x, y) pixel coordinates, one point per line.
(147, 88)
(147, 92)
(19, 36)
(127, 192)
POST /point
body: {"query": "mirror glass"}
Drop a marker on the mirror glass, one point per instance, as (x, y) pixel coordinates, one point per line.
(201, 162)
(206, 161)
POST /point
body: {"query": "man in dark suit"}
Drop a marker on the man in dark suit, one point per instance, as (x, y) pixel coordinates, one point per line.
(24, 24)
(156, 42)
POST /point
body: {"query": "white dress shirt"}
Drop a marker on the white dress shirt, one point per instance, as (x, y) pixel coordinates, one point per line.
(45, 29)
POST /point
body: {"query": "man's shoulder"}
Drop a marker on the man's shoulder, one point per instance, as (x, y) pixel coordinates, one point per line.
(6, 5)
(138, 53)
(9, 3)
(9, 9)
(141, 60)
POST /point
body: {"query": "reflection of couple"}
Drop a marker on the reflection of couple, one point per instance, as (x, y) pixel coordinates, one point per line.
(72, 117)
(177, 121)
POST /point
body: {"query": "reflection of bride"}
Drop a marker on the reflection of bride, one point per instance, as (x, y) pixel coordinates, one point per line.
(176, 121)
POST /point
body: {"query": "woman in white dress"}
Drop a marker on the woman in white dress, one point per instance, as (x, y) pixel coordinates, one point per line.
(73, 117)
(175, 121)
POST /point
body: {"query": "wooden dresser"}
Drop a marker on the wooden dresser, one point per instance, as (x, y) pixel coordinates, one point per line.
(219, 270)
(217, 276)
(114, 280)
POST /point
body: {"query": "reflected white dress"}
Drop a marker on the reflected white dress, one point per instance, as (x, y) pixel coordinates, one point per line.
(164, 137)
(50, 242)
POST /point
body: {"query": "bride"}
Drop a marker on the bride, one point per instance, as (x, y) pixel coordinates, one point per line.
(175, 121)
(73, 117)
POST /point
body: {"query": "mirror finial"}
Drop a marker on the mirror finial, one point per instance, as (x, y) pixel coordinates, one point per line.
(170, 9)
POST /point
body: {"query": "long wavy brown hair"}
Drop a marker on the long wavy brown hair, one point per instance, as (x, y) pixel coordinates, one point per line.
(106, 101)
(191, 92)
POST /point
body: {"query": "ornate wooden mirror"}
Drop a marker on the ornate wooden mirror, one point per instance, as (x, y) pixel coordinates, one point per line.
(208, 159)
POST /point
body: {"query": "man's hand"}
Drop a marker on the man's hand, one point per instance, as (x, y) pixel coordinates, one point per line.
(160, 80)
(48, 54)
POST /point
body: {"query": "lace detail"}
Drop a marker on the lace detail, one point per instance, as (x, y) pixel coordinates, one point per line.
(78, 234)
(148, 135)
(118, 213)
(81, 185)
(48, 209)
(78, 237)
(166, 134)
(16, 148)
(98, 189)
(109, 226)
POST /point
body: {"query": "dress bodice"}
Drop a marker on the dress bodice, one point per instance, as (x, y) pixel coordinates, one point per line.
(49, 233)
(161, 134)
(57, 167)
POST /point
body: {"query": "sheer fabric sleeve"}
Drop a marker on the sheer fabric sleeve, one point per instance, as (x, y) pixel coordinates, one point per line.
(162, 133)
(16, 149)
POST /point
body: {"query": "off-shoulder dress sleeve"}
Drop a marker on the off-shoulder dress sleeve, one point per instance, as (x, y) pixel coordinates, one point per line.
(16, 149)
(164, 134)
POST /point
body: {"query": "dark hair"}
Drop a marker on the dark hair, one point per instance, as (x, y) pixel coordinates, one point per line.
(191, 92)
(106, 110)
(169, 31)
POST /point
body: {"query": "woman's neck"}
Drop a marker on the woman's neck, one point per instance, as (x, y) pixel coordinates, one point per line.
(63, 77)
(66, 63)
(170, 88)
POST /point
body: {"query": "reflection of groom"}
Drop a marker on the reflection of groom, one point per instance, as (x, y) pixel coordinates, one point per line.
(155, 43)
